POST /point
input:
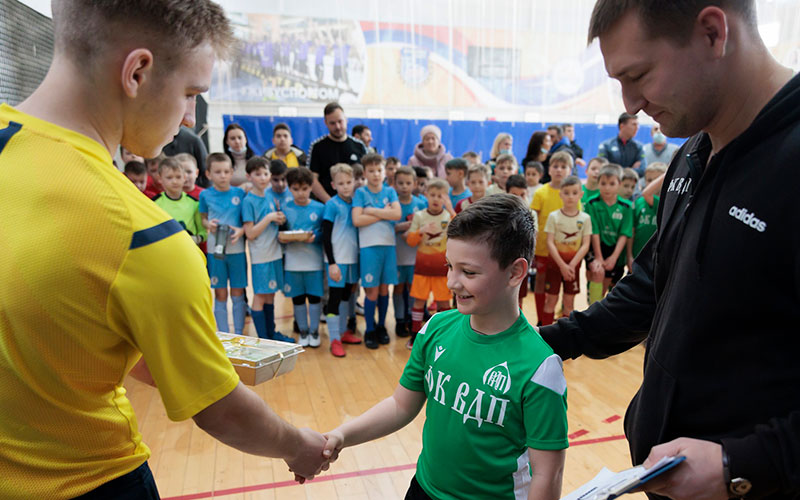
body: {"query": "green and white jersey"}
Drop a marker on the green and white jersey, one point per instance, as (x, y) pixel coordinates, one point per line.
(611, 221)
(489, 399)
(644, 223)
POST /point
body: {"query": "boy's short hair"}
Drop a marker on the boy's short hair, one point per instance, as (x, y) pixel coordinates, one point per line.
(300, 175)
(255, 163)
(422, 172)
(84, 29)
(405, 171)
(598, 159)
(479, 168)
(217, 158)
(280, 126)
(457, 164)
(169, 163)
(516, 181)
(358, 170)
(393, 160)
(341, 168)
(186, 158)
(629, 174)
(571, 180)
(562, 157)
(135, 168)
(611, 170)
(536, 165)
(471, 155)
(656, 167)
(277, 167)
(438, 183)
(503, 222)
(504, 158)
(371, 159)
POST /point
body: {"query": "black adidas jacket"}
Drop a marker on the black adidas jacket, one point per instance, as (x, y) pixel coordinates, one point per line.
(716, 293)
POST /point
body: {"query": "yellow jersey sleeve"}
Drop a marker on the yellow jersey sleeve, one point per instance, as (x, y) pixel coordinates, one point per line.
(160, 301)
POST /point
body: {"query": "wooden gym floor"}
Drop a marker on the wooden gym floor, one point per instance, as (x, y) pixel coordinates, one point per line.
(323, 391)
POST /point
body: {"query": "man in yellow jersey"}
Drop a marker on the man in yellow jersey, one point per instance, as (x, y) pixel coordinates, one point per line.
(95, 276)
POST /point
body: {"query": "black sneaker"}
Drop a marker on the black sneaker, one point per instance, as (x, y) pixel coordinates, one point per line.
(382, 334)
(401, 329)
(371, 340)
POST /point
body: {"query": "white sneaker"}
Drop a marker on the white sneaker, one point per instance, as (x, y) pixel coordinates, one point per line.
(304, 339)
(313, 339)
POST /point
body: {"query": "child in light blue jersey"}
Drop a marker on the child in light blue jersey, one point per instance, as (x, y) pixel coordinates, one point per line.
(279, 191)
(303, 260)
(221, 204)
(405, 179)
(261, 220)
(375, 206)
(340, 243)
(456, 172)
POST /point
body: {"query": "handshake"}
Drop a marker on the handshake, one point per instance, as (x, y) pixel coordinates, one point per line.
(314, 452)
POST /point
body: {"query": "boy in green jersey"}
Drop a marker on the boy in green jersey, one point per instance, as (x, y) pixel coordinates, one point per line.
(182, 207)
(612, 225)
(645, 210)
(496, 423)
(591, 188)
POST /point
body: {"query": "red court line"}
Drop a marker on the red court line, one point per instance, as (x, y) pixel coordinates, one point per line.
(578, 434)
(344, 475)
(612, 418)
(597, 440)
(283, 484)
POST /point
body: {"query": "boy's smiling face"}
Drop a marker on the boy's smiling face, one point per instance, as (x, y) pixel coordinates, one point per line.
(475, 278)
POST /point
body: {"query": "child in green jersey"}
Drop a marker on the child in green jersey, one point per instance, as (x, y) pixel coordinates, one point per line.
(591, 188)
(645, 209)
(181, 206)
(496, 423)
(612, 225)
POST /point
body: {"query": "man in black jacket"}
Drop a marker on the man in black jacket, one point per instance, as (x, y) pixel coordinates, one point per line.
(716, 291)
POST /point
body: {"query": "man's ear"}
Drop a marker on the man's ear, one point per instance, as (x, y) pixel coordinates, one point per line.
(518, 271)
(137, 69)
(712, 24)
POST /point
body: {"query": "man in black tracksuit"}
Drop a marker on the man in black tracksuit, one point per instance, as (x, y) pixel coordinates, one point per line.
(716, 291)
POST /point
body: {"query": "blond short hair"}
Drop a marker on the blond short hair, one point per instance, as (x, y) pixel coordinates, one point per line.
(438, 183)
(341, 168)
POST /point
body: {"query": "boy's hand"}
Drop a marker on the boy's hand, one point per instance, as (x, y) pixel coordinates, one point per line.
(310, 238)
(597, 265)
(567, 272)
(334, 272)
(430, 229)
(276, 217)
(402, 227)
(609, 264)
(369, 211)
(333, 446)
(630, 263)
(237, 233)
(212, 225)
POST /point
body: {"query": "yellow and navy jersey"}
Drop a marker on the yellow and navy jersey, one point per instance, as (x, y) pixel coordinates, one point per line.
(95, 275)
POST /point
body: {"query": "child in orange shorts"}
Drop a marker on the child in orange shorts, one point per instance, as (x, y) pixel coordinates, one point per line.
(428, 232)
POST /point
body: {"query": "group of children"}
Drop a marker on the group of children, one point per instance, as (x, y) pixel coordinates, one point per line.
(386, 226)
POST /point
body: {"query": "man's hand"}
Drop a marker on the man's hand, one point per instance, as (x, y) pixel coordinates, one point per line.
(308, 460)
(334, 272)
(698, 478)
(236, 233)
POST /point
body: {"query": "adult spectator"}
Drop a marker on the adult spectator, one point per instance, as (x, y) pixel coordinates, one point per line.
(328, 150)
(623, 149)
(235, 145)
(559, 140)
(283, 149)
(188, 142)
(659, 151)
(721, 377)
(503, 142)
(108, 281)
(430, 152)
(538, 150)
(363, 134)
(569, 133)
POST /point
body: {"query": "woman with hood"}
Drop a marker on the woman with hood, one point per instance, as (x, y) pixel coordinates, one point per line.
(430, 151)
